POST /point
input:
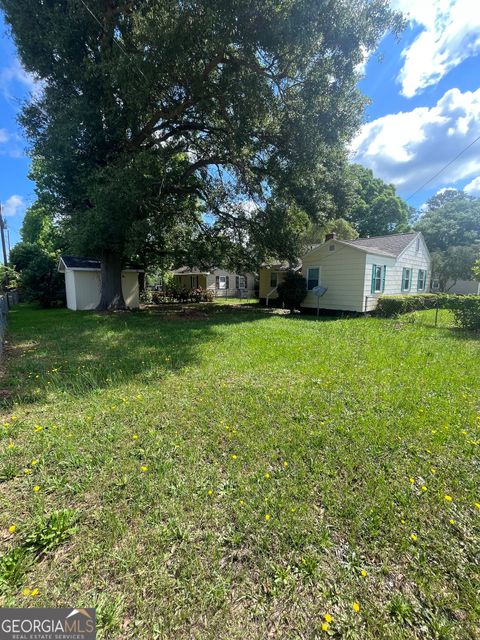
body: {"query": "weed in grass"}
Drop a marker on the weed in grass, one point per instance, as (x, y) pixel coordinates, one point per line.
(14, 566)
(50, 532)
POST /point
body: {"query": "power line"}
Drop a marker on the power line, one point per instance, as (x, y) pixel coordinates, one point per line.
(443, 168)
(122, 49)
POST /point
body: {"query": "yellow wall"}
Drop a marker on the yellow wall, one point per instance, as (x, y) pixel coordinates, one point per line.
(264, 282)
(186, 281)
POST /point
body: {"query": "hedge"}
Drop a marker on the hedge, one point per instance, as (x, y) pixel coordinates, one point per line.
(466, 309)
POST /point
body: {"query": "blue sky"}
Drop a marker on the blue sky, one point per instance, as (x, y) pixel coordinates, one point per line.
(425, 107)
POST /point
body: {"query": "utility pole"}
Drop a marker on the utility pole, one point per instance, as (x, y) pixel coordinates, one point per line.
(4, 250)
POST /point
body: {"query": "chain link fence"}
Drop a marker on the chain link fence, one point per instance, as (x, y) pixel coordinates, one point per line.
(7, 300)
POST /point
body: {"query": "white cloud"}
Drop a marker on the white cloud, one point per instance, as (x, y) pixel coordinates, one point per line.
(450, 34)
(3, 135)
(13, 206)
(408, 148)
(15, 73)
(473, 187)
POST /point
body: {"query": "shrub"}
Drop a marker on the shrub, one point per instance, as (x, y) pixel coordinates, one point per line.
(465, 309)
(292, 290)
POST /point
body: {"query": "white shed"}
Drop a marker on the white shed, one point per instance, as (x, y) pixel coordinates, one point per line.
(83, 283)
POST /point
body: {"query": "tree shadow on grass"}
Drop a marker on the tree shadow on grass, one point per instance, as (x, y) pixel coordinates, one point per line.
(80, 352)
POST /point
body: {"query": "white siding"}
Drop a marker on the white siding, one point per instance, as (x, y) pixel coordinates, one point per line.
(410, 258)
(84, 289)
(232, 290)
(70, 290)
(87, 289)
(130, 289)
(342, 271)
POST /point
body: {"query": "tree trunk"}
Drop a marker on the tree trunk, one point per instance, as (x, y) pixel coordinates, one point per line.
(111, 298)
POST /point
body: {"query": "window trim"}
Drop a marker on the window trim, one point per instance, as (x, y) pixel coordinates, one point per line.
(404, 279)
(381, 277)
(224, 282)
(424, 280)
(273, 273)
(309, 288)
(241, 279)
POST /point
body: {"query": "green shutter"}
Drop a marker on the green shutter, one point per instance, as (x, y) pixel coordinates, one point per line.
(403, 279)
(383, 277)
(372, 288)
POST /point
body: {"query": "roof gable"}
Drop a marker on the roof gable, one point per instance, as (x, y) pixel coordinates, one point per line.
(74, 262)
(393, 245)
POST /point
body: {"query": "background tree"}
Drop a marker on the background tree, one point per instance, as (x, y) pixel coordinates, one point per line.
(451, 227)
(292, 290)
(375, 208)
(158, 112)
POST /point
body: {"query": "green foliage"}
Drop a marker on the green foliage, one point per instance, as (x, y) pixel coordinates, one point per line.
(476, 269)
(375, 208)
(39, 278)
(451, 221)
(455, 263)
(292, 290)
(14, 564)
(154, 114)
(466, 309)
(49, 532)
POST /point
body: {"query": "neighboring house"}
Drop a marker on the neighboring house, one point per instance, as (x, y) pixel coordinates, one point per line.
(357, 272)
(463, 287)
(83, 283)
(222, 283)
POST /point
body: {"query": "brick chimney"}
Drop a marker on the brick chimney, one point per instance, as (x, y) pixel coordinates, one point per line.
(330, 236)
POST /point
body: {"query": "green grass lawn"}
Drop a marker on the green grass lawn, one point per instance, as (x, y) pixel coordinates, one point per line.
(240, 475)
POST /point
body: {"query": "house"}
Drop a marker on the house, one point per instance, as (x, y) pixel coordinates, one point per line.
(83, 283)
(463, 287)
(222, 283)
(356, 272)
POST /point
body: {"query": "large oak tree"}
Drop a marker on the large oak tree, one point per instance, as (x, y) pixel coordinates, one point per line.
(160, 115)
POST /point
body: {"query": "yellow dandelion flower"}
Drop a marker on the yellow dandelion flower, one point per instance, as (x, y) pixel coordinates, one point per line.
(27, 471)
(26, 591)
(452, 521)
(35, 592)
(328, 617)
(363, 573)
(144, 468)
(210, 492)
(413, 536)
(267, 517)
(14, 418)
(448, 498)
(12, 528)
(10, 445)
(241, 502)
(433, 470)
(267, 475)
(135, 437)
(325, 626)
(412, 480)
(285, 463)
(234, 456)
(37, 428)
(424, 488)
(36, 488)
(477, 504)
(34, 462)
(356, 607)
(402, 521)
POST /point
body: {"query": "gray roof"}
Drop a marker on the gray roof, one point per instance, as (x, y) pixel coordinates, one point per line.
(73, 262)
(189, 271)
(89, 264)
(393, 245)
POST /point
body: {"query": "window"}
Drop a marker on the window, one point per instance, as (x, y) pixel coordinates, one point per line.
(273, 279)
(242, 284)
(222, 282)
(406, 279)
(313, 277)
(194, 282)
(378, 278)
(422, 280)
